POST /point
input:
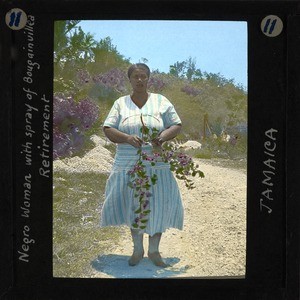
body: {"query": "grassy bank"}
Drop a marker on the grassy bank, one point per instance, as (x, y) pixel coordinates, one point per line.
(77, 238)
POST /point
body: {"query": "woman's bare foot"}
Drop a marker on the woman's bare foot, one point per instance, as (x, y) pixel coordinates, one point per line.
(135, 258)
(157, 259)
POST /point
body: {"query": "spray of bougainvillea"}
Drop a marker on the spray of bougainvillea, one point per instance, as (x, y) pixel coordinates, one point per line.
(181, 164)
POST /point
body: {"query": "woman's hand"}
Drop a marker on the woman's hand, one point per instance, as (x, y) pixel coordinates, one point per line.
(134, 141)
(158, 141)
(117, 136)
(167, 135)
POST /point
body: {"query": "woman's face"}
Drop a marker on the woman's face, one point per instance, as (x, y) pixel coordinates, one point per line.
(139, 80)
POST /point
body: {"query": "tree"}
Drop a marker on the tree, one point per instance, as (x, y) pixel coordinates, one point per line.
(178, 69)
(71, 44)
(106, 57)
(144, 60)
(72, 51)
(77, 53)
(186, 69)
(237, 109)
(218, 79)
(62, 30)
(190, 68)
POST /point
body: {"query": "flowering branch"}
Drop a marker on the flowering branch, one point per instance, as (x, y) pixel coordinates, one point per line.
(180, 163)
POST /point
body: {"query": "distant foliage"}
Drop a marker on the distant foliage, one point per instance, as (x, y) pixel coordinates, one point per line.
(186, 69)
(113, 79)
(156, 83)
(83, 76)
(218, 79)
(190, 90)
(71, 44)
(70, 122)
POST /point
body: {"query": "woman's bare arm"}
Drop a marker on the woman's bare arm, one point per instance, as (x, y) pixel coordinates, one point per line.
(117, 136)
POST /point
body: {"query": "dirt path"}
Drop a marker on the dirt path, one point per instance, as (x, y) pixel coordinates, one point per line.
(212, 243)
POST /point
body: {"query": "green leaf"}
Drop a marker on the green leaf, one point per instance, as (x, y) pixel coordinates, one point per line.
(138, 211)
(201, 174)
(144, 221)
(143, 227)
(135, 225)
(153, 180)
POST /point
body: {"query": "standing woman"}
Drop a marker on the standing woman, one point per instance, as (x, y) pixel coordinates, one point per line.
(122, 126)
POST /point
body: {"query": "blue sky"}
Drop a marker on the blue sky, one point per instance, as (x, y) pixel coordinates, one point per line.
(217, 46)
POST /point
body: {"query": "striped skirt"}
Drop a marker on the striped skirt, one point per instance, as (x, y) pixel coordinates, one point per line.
(119, 205)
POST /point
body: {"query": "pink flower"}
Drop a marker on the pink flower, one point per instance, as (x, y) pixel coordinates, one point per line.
(146, 203)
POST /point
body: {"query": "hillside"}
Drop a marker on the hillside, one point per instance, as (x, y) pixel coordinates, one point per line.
(90, 75)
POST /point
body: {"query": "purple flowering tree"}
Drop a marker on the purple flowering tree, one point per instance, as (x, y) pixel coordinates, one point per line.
(156, 83)
(70, 122)
(114, 79)
(103, 86)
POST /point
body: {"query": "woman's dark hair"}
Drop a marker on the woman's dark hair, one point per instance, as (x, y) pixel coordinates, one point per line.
(138, 66)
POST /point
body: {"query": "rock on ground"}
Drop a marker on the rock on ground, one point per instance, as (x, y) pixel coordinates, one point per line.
(191, 145)
(97, 160)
